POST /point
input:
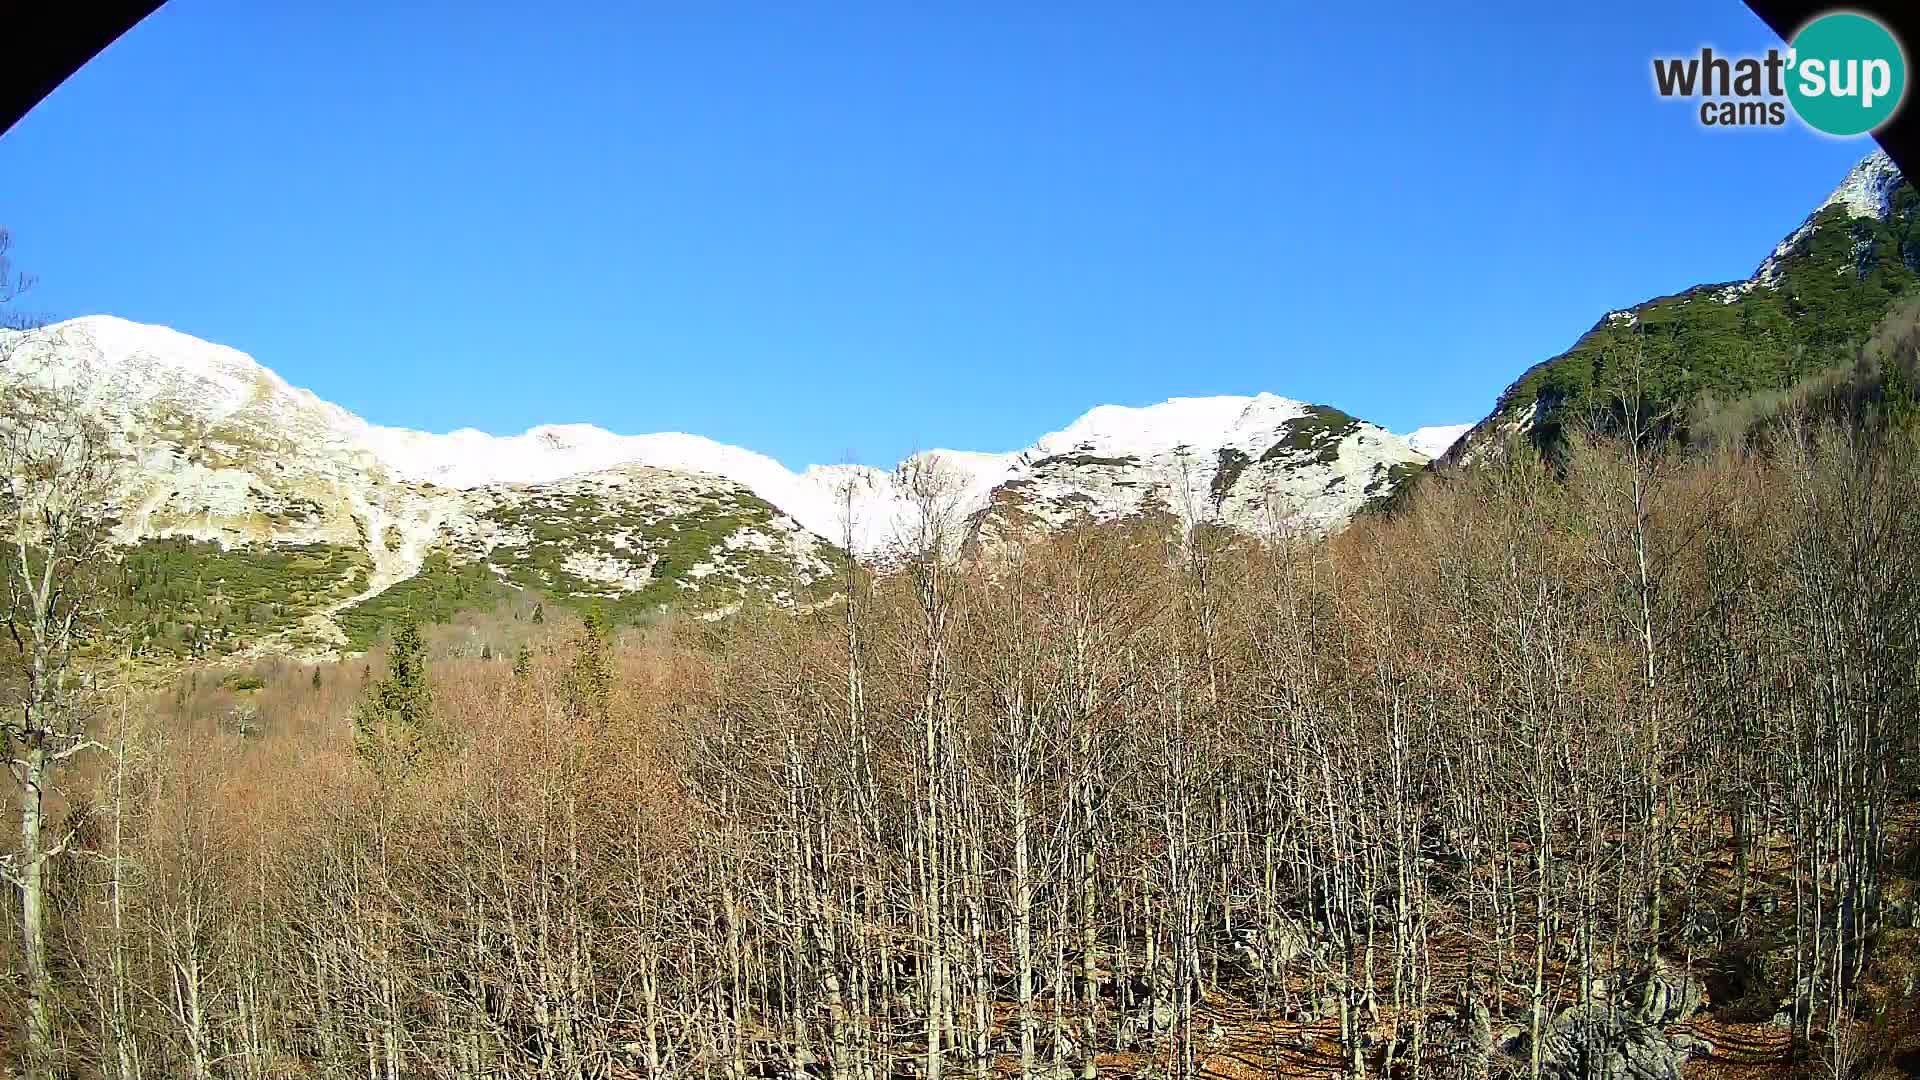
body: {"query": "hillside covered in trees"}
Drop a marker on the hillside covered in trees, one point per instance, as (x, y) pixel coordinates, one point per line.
(1806, 311)
(1599, 771)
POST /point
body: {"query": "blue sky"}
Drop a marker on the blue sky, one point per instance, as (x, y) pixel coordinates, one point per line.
(846, 231)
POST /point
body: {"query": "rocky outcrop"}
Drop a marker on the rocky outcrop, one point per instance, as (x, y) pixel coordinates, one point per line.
(1461, 1045)
(1668, 994)
(1625, 1035)
(1606, 1042)
(1274, 951)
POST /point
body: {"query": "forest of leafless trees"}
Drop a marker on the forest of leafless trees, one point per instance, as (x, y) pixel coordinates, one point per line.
(1572, 772)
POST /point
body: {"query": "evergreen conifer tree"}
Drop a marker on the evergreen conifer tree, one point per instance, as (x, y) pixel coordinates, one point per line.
(1897, 398)
(390, 723)
(591, 681)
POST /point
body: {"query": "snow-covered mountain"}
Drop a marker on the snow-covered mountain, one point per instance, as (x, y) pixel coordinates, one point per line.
(1253, 463)
(228, 453)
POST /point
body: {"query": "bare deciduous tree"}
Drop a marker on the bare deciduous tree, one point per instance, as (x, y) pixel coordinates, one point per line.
(60, 475)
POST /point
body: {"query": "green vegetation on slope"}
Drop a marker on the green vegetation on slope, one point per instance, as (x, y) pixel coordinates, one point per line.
(1387, 482)
(1318, 433)
(662, 547)
(1876, 387)
(434, 595)
(191, 598)
(1086, 460)
(1835, 286)
(667, 544)
(1231, 464)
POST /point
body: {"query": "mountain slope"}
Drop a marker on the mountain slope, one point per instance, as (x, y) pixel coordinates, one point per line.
(259, 515)
(1251, 463)
(257, 510)
(1808, 306)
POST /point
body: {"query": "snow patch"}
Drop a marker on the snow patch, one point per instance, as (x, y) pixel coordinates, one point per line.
(1435, 440)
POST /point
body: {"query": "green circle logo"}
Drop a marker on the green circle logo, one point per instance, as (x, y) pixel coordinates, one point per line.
(1847, 74)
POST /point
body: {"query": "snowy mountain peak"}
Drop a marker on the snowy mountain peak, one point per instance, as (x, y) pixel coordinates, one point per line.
(1194, 422)
(1868, 189)
(117, 356)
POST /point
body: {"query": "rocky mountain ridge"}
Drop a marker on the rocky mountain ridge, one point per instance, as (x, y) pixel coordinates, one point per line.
(227, 456)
